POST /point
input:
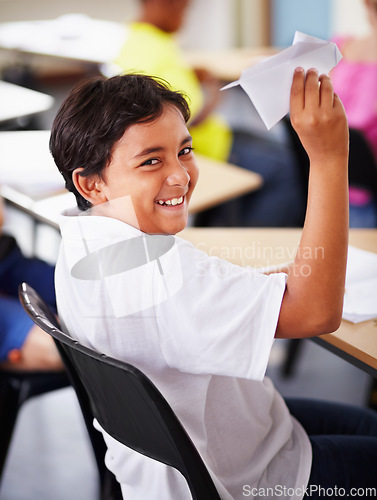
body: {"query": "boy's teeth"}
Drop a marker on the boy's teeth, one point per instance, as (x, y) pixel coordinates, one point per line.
(173, 201)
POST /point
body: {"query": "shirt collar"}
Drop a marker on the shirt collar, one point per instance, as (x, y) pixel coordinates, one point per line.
(75, 224)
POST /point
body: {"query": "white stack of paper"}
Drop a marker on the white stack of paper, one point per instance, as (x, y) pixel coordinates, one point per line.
(360, 299)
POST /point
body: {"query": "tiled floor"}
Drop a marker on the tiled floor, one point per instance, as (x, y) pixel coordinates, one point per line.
(51, 458)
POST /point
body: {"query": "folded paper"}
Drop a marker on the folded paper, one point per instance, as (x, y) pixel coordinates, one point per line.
(268, 83)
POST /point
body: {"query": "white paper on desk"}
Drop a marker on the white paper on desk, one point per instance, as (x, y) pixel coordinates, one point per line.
(360, 298)
(268, 83)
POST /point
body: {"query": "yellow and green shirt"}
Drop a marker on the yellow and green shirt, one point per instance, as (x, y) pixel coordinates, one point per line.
(151, 51)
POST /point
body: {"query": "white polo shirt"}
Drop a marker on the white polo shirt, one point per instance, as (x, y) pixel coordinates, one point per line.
(201, 329)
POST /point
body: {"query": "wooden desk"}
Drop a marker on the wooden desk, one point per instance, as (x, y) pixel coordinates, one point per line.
(219, 182)
(74, 37)
(227, 65)
(31, 182)
(17, 102)
(357, 343)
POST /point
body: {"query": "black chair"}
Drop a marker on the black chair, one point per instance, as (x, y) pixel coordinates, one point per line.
(362, 164)
(125, 402)
(16, 387)
(362, 167)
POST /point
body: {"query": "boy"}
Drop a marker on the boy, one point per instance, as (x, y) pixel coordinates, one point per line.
(199, 327)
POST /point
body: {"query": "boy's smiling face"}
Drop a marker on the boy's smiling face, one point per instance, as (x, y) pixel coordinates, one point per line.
(152, 166)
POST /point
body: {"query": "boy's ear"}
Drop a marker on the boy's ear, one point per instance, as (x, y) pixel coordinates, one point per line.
(90, 187)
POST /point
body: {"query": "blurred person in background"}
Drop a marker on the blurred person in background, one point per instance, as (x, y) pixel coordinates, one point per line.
(355, 81)
(23, 345)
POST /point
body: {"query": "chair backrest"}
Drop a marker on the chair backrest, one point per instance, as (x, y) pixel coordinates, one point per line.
(362, 167)
(362, 164)
(125, 402)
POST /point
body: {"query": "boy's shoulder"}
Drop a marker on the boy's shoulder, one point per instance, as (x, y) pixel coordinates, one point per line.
(75, 223)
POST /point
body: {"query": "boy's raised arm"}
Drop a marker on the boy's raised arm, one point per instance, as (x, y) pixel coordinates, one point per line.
(313, 300)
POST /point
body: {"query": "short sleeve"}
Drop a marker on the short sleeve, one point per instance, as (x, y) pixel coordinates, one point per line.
(223, 319)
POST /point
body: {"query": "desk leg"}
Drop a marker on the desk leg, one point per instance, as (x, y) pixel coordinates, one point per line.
(293, 350)
(34, 237)
(372, 395)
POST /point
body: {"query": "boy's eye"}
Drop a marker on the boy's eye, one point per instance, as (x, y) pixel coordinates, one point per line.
(152, 161)
(185, 151)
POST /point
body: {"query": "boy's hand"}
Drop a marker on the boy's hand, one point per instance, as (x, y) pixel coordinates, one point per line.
(318, 117)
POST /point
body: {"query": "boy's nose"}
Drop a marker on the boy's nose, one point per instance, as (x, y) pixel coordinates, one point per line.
(178, 175)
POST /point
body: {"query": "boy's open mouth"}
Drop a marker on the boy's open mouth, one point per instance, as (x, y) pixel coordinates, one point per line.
(172, 202)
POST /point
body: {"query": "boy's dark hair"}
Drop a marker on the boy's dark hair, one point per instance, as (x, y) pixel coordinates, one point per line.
(95, 116)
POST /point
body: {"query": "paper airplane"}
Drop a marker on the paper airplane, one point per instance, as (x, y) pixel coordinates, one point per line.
(268, 83)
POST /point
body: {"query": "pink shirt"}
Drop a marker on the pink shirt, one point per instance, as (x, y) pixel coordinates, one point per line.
(356, 84)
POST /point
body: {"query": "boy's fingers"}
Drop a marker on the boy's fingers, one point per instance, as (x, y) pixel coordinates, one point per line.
(297, 99)
(312, 89)
(326, 91)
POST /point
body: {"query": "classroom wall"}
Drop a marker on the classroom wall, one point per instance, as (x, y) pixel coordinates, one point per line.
(322, 18)
(210, 23)
(349, 17)
(217, 23)
(309, 16)
(22, 10)
(253, 23)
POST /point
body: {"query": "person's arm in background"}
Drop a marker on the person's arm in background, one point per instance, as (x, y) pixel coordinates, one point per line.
(212, 97)
(313, 300)
(23, 345)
